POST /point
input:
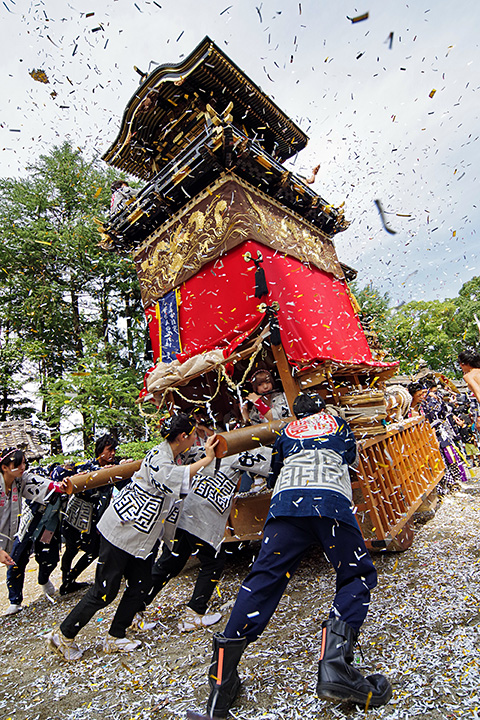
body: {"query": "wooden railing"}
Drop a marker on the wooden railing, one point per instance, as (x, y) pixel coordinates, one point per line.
(398, 470)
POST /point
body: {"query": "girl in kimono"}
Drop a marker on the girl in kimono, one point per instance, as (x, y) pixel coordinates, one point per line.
(266, 403)
(426, 402)
(130, 530)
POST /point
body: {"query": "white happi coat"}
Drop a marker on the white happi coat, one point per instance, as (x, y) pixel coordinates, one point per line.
(135, 518)
(207, 506)
(279, 408)
(29, 486)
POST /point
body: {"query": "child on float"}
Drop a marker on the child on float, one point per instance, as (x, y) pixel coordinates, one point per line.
(16, 485)
(262, 405)
(130, 530)
(268, 404)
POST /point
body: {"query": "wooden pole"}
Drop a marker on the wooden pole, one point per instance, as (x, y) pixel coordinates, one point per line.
(103, 476)
(290, 385)
(247, 438)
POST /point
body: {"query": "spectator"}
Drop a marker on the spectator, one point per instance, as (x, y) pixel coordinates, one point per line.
(83, 512)
(17, 484)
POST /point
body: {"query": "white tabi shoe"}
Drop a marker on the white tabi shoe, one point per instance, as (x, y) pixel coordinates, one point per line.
(139, 623)
(192, 620)
(113, 645)
(65, 647)
(13, 609)
(48, 589)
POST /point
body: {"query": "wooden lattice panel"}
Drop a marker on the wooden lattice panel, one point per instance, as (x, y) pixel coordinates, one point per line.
(397, 472)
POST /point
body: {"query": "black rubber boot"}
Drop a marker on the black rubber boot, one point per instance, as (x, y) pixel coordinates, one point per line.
(337, 678)
(223, 676)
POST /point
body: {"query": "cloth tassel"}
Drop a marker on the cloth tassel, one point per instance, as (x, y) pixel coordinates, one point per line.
(261, 288)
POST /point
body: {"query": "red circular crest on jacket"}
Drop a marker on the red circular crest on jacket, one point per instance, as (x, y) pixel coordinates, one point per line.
(311, 427)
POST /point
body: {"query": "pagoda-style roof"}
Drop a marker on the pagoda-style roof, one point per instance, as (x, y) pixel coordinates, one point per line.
(167, 113)
(220, 150)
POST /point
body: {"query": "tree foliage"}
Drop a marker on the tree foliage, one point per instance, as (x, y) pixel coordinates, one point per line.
(468, 306)
(431, 332)
(102, 391)
(65, 303)
(374, 308)
(424, 331)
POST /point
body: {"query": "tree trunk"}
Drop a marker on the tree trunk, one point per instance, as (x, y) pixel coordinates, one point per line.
(55, 440)
(128, 318)
(88, 430)
(53, 418)
(87, 437)
(105, 322)
(3, 414)
(76, 319)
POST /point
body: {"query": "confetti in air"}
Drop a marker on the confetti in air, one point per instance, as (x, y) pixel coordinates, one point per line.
(39, 76)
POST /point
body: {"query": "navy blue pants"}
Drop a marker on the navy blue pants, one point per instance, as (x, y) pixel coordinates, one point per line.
(285, 541)
(47, 556)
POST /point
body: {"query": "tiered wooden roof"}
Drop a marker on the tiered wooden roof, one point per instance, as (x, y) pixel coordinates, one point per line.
(166, 114)
(22, 435)
(190, 123)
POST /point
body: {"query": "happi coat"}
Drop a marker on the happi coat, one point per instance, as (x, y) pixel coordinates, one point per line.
(135, 518)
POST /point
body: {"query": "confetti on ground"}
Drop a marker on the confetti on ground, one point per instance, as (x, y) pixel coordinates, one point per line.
(422, 631)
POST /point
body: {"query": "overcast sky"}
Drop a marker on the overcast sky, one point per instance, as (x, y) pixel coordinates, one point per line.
(360, 90)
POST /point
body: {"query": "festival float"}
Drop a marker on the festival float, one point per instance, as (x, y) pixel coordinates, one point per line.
(238, 270)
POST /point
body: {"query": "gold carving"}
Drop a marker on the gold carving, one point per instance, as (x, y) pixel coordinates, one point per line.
(194, 240)
(226, 214)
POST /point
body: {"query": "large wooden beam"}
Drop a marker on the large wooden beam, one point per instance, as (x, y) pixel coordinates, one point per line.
(290, 385)
(104, 476)
(249, 437)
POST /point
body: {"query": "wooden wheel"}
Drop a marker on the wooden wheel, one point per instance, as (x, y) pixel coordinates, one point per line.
(403, 540)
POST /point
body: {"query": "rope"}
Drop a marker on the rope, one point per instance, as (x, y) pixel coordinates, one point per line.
(230, 382)
(189, 400)
(198, 402)
(221, 374)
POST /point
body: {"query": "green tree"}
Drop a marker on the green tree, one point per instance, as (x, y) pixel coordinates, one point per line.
(468, 306)
(374, 306)
(431, 332)
(14, 401)
(102, 391)
(57, 287)
(425, 331)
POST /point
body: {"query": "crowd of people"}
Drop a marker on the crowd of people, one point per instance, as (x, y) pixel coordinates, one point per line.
(177, 505)
(456, 420)
(46, 517)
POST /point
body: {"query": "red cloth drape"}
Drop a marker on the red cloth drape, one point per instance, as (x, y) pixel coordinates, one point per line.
(316, 317)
